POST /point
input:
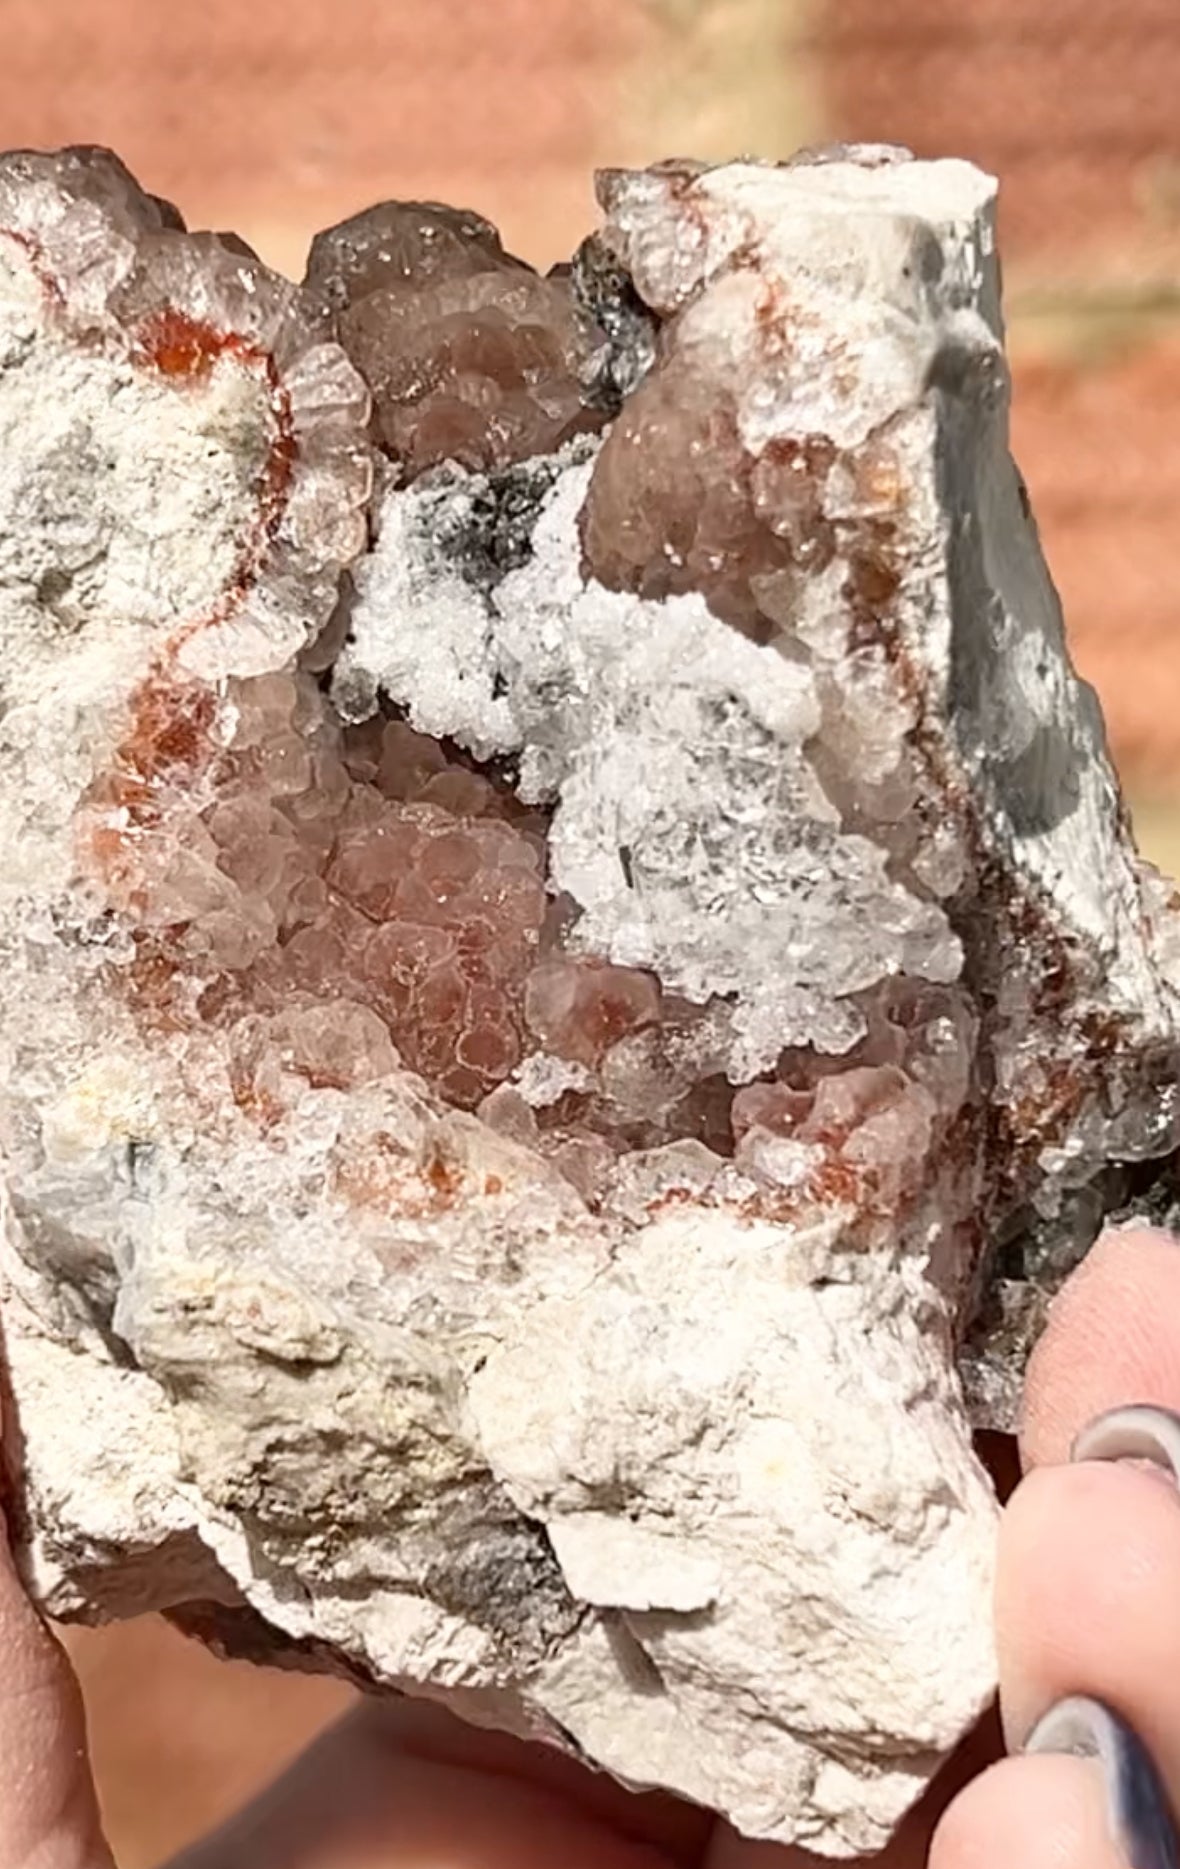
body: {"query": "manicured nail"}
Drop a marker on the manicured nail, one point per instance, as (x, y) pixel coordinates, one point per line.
(1136, 1804)
(1137, 1432)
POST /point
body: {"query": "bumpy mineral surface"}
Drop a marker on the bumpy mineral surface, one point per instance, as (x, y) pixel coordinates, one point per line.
(573, 966)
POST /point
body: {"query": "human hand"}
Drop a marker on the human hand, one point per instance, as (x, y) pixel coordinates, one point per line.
(1088, 1602)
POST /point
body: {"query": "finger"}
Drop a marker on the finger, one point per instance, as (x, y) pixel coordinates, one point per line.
(1089, 1559)
(1030, 1813)
(48, 1810)
(1138, 1817)
(357, 1801)
(1088, 1600)
(1113, 1336)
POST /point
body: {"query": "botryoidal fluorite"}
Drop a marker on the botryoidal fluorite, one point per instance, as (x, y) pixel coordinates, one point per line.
(572, 957)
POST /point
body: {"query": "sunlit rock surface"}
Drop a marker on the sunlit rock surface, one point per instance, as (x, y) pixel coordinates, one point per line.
(571, 957)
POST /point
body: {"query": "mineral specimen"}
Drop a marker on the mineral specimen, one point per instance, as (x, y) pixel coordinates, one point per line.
(572, 957)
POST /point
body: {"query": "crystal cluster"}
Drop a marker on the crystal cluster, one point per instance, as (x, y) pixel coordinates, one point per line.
(885, 1115)
(366, 880)
(342, 874)
(470, 355)
(572, 960)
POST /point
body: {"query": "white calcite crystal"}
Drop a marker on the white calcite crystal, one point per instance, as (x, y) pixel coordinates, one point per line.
(553, 1011)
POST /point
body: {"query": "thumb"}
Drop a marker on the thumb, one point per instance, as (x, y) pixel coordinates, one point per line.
(48, 1809)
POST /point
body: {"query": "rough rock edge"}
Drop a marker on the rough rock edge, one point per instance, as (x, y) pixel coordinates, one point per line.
(119, 262)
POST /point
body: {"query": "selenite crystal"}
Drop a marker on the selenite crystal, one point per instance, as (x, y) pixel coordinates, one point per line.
(574, 971)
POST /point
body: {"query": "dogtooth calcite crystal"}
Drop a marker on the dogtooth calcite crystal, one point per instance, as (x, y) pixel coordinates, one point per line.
(574, 970)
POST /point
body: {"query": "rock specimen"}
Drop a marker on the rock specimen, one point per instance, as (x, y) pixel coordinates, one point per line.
(570, 947)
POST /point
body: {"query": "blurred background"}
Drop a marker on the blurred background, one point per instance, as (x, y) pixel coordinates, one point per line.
(281, 116)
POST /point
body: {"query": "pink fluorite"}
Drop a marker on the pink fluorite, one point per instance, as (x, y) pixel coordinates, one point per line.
(470, 355)
(883, 1112)
(580, 1009)
(361, 876)
(351, 899)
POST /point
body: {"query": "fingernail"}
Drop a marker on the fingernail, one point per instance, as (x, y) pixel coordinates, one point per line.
(1137, 1432)
(1136, 1805)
